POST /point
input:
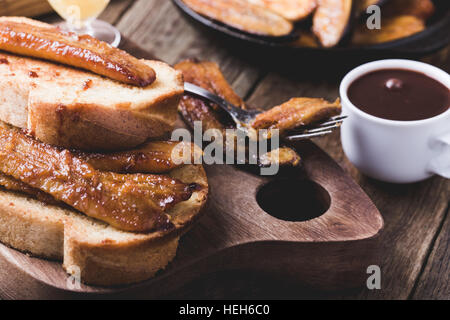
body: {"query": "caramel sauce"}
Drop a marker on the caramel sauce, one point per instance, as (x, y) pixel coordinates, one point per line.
(399, 94)
(33, 74)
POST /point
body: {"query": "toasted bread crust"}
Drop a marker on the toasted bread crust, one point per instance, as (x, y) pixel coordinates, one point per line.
(23, 227)
(104, 255)
(76, 109)
(102, 266)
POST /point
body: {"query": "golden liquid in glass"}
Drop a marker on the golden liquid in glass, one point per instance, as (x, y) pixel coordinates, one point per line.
(77, 12)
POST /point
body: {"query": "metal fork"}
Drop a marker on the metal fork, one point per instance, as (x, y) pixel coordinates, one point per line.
(243, 117)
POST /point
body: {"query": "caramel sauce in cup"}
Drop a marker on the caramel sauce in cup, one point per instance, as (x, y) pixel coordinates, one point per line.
(398, 125)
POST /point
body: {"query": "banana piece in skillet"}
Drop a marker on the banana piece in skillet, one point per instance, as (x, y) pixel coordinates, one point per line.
(243, 15)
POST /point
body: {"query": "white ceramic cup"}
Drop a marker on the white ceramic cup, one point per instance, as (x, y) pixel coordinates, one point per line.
(396, 151)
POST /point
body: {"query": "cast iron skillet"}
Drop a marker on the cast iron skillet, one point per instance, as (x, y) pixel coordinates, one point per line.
(434, 37)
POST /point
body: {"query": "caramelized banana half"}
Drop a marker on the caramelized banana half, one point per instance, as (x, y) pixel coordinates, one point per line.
(130, 202)
(331, 20)
(153, 157)
(393, 29)
(40, 40)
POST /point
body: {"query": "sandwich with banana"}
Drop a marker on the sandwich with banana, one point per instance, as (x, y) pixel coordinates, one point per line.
(86, 175)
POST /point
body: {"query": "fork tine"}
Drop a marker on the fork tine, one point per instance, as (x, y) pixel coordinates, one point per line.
(340, 117)
(308, 135)
(324, 128)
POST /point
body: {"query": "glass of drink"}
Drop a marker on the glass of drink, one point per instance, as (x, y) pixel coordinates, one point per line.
(81, 17)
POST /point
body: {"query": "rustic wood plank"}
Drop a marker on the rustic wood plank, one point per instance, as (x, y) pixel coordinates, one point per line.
(434, 283)
(159, 27)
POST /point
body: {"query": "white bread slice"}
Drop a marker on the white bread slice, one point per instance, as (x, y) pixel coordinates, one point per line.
(104, 255)
(71, 108)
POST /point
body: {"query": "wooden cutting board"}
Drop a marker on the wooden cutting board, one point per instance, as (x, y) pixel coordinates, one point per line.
(320, 234)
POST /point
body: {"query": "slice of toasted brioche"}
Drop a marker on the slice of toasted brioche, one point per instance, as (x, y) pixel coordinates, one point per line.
(71, 108)
(93, 250)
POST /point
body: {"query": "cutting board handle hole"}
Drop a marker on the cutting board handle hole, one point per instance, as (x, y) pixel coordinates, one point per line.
(293, 200)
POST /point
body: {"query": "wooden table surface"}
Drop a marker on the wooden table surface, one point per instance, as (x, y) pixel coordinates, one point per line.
(415, 256)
